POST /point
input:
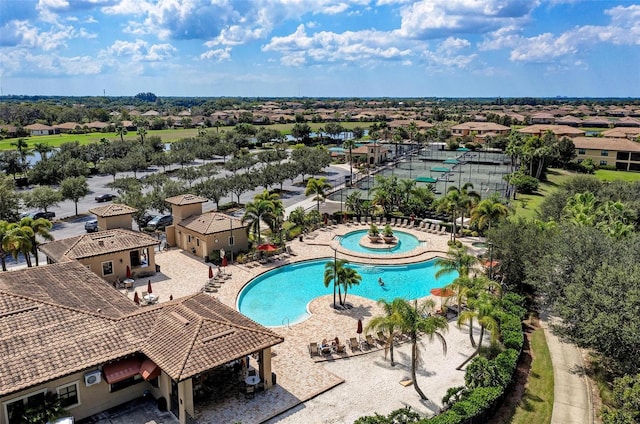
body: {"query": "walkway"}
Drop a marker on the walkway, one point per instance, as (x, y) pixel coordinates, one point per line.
(572, 402)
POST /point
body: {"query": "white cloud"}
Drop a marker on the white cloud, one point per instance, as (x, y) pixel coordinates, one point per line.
(22, 62)
(453, 43)
(235, 35)
(217, 54)
(139, 51)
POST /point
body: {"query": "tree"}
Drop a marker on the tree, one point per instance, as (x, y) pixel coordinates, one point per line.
(42, 197)
(39, 227)
(43, 149)
(255, 212)
(489, 212)
(457, 260)
(74, 188)
(121, 131)
(626, 399)
(317, 187)
(414, 319)
(389, 322)
(4, 227)
(9, 199)
(342, 276)
(17, 239)
(22, 147)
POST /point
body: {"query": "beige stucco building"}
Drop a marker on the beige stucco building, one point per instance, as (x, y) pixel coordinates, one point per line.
(114, 215)
(621, 153)
(370, 154)
(204, 234)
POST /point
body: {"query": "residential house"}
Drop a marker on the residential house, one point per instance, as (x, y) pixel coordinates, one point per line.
(558, 130)
(372, 154)
(622, 153)
(204, 234)
(67, 331)
(111, 254)
(570, 120)
(67, 127)
(632, 133)
(114, 215)
(542, 118)
(40, 129)
(479, 130)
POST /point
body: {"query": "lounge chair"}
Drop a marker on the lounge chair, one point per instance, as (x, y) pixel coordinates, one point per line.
(381, 338)
(326, 350)
(313, 349)
(370, 342)
(353, 344)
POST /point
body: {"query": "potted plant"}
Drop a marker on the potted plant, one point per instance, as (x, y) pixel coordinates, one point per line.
(374, 233)
(387, 234)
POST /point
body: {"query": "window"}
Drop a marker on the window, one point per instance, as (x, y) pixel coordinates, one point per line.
(189, 239)
(17, 407)
(126, 383)
(68, 395)
(231, 241)
(581, 151)
(603, 162)
(198, 242)
(604, 153)
(107, 268)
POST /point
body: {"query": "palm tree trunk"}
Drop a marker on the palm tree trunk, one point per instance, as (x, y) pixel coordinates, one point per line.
(35, 253)
(414, 363)
(473, 341)
(3, 261)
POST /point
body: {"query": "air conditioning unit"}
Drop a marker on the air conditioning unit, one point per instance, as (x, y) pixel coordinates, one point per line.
(93, 377)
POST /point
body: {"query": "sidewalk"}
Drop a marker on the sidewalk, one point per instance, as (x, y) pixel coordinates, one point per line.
(572, 402)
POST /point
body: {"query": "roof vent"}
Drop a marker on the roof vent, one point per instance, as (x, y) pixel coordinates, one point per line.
(218, 336)
(101, 242)
(180, 318)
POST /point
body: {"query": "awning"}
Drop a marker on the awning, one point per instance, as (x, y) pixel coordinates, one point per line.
(149, 370)
(121, 370)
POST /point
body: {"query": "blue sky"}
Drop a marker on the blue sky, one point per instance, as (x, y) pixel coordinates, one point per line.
(313, 48)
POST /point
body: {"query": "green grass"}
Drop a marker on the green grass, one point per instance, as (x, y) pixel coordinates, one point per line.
(536, 405)
(607, 175)
(526, 205)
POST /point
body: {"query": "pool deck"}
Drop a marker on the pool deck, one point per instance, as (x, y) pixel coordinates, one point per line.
(299, 376)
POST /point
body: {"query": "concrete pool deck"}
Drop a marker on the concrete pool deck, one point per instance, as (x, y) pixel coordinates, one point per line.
(299, 376)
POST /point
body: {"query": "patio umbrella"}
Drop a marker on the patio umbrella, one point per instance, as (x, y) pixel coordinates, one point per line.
(326, 219)
(149, 287)
(210, 272)
(170, 297)
(359, 329)
(128, 272)
(267, 247)
(136, 299)
(442, 292)
(224, 261)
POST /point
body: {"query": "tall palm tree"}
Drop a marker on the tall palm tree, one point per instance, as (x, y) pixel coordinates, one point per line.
(317, 186)
(387, 323)
(43, 149)
(485, 307)
(121, 131)
(274, 219)
(40, 227)
(332, 272)
(457, 260)
(350, 144)
(449, 204)
(3, 253)
(17, 240)
(418, 318)
(22, 147)
(468, 200)
(255, 212)
(142, 133)
(349, 277)
(488, 212)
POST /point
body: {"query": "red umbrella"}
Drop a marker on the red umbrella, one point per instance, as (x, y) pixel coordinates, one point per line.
(170, 297)
(128, 272)
(149, 287)
(267, 247)
(326, 219)
(359, 330)
(224, 261)
(210, 272)
(442, 292)
(136, 299)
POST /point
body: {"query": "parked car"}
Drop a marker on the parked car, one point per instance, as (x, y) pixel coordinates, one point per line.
(91, 226)
(39, 214)
(160, 221)
(105, 197)
(143, 221)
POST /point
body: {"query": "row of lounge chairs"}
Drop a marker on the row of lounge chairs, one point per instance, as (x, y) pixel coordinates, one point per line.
(400, 223)
(369, 342)
(432, 228)
(278, 255)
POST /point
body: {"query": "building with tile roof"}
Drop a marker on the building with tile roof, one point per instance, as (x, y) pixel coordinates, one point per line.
(558, 130)
(114, 215)
(112, 254)
(621, 153)
(67, 331)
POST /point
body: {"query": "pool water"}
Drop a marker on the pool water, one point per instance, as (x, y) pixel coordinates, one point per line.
(406, 243)
(280, 296)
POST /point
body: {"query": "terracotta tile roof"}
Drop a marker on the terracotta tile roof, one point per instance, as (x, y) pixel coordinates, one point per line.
(96, 244)
(113, 209)
(185, 199)
(606, 143)
(211, 223)
(37, 127)
(629, 132)
(480, 126)
(67, 126)
(558, 130)
(47, 332)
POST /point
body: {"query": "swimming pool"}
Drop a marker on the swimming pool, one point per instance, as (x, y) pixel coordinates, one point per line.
(406, 243)
(280, 296)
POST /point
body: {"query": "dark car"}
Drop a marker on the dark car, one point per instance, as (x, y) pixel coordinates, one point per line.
(160, 221)
(143, 221)
(39, 214)
(105, 197)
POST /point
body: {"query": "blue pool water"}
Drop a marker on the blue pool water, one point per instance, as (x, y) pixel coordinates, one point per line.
(406, 243)
(281, 295)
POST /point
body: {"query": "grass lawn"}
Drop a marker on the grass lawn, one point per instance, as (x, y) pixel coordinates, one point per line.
(536, 405)
(607, 175)
(526, 205)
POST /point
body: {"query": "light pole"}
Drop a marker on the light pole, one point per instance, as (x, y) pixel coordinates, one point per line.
(335, 274)
(231, 241)
(490, 260)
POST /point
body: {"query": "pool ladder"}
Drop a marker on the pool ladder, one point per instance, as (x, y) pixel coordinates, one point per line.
(337, 238)
(287, 324)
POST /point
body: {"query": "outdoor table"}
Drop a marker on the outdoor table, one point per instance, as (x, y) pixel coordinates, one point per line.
(150, 298)
(128, 283)
(252, 380)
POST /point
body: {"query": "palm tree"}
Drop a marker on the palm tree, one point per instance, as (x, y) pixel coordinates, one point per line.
(350, 144)
(39, 227)
(449, 204)
(485, 307)
(142, 133)
(22, 147)
(3, 253)
(42, 149)
(457, 260)
(468, 200)
(254, 212)
(332, 271)
(274, 219)
(418, 318)
(318, 187)
(121, 131)
(349, 277)
(17, 240)
(488, 212)
(387, 323)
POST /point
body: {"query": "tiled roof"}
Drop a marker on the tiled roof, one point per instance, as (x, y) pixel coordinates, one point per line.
(113, 209)
(37, 127)
(480, 126)
(47, 331)
(185, 199)
(606, 143)
(556, 129)
(622, 132)
(95, 244)
(211, 223)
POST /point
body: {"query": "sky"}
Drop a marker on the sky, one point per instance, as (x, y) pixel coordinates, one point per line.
(321, 48)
